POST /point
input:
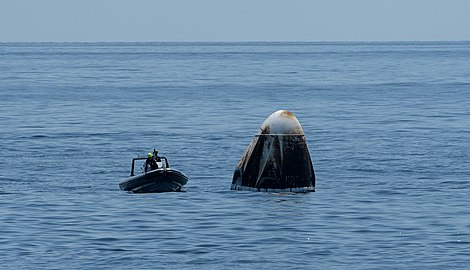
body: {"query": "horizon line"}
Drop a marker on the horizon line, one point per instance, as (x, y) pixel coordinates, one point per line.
(249, 41)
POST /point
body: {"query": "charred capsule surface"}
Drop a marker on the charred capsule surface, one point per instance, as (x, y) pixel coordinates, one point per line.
(277, 160)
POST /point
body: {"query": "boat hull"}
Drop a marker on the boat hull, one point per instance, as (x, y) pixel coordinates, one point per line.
(160, 180)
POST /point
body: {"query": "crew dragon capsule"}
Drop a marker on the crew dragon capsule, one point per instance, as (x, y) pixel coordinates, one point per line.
(277, 160)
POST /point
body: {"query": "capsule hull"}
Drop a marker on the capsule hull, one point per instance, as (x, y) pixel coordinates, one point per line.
(277, 160)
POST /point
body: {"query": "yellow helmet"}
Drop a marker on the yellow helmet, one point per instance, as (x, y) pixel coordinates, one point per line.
(149, 155)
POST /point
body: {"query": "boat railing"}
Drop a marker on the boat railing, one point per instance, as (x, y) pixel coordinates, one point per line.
(164, 162)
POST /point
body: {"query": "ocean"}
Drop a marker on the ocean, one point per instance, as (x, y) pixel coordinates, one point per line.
(387, 125)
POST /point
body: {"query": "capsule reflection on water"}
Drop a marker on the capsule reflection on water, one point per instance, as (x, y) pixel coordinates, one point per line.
(277, 160)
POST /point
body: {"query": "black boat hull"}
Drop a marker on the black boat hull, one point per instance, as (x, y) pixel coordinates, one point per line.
(160, 180)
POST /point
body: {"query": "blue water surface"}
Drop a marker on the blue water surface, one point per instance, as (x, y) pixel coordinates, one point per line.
(387, 124)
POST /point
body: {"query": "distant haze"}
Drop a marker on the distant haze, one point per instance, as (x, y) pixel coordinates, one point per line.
(236, 20)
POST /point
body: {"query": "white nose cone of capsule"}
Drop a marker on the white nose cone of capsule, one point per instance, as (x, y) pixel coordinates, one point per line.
(281, 122)
(277, 160)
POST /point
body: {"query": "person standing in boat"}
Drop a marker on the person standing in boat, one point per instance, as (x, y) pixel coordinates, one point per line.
(155, 155)
(151, 162)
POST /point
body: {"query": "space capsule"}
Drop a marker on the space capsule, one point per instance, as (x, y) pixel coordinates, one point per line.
(277, 160)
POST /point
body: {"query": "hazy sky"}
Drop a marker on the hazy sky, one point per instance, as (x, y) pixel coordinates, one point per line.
(234, 20)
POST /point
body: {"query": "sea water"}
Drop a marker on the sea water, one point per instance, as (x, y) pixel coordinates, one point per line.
(387, 125)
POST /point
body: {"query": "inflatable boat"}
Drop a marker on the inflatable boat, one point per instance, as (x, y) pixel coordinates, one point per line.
(159, 179)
